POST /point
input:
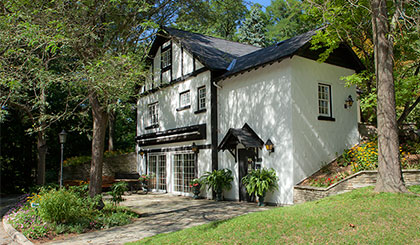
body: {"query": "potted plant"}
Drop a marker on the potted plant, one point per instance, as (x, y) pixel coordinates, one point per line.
(218, 180)
(195, 187)
(259, 182)
(144, 181)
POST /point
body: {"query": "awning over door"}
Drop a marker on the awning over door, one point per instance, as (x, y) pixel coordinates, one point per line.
(245, 136)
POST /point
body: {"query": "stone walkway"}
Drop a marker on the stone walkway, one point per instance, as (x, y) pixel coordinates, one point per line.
(163, 213)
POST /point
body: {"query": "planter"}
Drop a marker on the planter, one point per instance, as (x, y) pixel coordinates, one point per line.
(196, 191)
(219, 196)
(261, 200)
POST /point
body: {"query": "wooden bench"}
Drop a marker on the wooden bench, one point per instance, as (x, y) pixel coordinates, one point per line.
(132, 179)
(107, 181)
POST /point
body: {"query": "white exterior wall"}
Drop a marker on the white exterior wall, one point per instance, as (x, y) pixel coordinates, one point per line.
(261, 98)
(170, 118)
(316, 142)
(182, 64)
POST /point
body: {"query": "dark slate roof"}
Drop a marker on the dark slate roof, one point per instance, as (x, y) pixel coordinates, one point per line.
(231, 57)
(281, 50)
(245, 135)
(214, 53)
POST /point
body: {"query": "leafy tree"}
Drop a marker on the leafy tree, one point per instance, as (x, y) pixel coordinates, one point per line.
(348, 21)
(212, 17)
(286, 20)
(253, 28)
(31, 62)
(98, 49)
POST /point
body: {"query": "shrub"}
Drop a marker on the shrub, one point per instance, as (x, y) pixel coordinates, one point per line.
(117, 190)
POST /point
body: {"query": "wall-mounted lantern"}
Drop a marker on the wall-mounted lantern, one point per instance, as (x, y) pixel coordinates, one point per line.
(194, 148)
(348, 102)
(269, 146)
(141, 152)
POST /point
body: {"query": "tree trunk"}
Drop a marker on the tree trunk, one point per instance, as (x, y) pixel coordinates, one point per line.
(100, 120)
(42, 154)
(111, 130)
(389, 171)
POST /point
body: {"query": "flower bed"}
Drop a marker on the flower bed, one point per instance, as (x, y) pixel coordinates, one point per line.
(51, 212)
(361, 157)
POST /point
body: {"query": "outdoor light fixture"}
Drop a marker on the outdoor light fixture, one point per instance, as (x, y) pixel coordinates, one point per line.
(194, 148)
(62, 138)
(348, 102)
(141, 152)
(269, 146)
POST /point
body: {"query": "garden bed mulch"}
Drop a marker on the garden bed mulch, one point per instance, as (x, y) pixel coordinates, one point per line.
(334, 169)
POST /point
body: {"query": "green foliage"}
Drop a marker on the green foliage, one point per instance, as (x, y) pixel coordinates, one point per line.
(64, 211)
(260, 181)
(64, 206)
(253, 29)
(218, 180)
(117, 190)
(286, 20)
(213, 17)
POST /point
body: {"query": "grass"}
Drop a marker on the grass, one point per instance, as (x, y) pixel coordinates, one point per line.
(360, 216)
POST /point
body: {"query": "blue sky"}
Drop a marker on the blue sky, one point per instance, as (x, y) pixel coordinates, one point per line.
(264, 3)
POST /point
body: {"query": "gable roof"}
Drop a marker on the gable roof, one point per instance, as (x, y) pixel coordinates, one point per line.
(245, 135)
(232, 57)
(214, 53)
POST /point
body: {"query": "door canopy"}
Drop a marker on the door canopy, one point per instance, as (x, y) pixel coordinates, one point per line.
(245, 136)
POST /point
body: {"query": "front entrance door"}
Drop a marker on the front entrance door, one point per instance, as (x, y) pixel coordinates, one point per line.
(246, 164)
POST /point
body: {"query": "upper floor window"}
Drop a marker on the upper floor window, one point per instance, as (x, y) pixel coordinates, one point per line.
(324, 100)
(201, 93)
(166, 58)
(184, 99)
(153, 114)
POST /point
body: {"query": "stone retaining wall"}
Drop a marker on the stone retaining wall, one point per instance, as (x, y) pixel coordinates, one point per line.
(125, 163)
(361, 179)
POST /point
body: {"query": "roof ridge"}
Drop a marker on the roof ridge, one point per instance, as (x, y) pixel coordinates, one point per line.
(196, 33)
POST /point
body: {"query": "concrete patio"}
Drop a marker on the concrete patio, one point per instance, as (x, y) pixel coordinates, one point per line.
(161, 213)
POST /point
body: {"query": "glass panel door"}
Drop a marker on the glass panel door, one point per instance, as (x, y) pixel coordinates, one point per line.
(157, 170)
(183, 172)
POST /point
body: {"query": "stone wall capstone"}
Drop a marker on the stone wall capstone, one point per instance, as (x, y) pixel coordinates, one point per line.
(358, 180)
(125, 163)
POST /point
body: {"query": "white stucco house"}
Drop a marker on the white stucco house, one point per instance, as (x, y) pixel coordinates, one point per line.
(213, 103)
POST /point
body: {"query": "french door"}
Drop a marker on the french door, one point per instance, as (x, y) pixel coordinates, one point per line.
(184, 171)
(157, 170)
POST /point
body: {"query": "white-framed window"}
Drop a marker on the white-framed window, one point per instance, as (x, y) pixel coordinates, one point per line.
(184, 171)
(166, 58)
(201, 97)
(324, 100)
(184, 99)
(153, 114)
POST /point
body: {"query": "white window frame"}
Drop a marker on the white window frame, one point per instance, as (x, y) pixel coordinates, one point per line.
(324, 100)
(153, 113)
(184, 99)
(166, 58)
(201, 98)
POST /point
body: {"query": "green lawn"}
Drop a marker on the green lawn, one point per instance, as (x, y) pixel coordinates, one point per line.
(360, 216)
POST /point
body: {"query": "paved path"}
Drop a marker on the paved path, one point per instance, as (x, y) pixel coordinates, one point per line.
(4, 207)
(163, 213)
